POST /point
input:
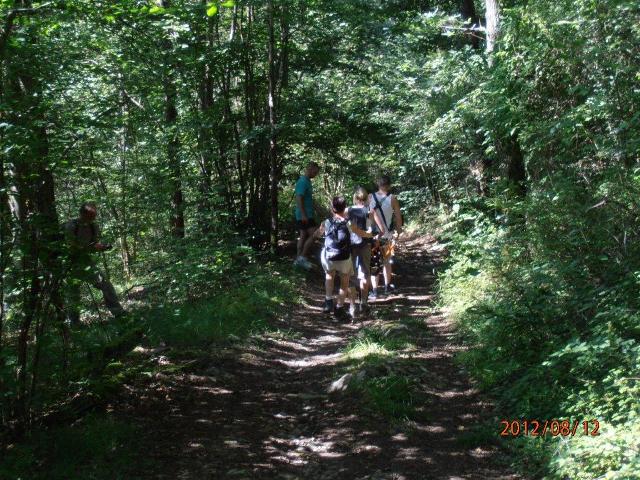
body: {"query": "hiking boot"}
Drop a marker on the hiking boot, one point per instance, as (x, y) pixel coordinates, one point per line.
(341, 313)
(328, 305)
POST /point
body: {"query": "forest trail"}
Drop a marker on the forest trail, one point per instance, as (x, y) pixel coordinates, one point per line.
(261, 410)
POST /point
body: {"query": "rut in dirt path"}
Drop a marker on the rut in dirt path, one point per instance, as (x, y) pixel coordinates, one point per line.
(262, 411)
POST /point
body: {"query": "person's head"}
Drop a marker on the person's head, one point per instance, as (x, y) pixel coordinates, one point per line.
(88, 211)
(312, 169)
(338, 204)
(384, 183)
(360, 196)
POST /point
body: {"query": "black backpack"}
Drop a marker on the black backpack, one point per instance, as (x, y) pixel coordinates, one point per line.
(337, 240)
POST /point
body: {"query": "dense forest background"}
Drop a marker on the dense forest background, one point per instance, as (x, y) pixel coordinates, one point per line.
(511, 129)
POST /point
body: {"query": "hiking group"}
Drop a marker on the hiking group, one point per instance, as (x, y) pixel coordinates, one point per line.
(359, 242)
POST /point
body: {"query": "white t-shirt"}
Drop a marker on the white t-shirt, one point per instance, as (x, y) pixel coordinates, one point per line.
(387, 208)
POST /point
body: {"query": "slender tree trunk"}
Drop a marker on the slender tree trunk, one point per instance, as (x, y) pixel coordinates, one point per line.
(33, 203)
(205, 148)
(273, 159)
(508, 146)
(173, 145)
(468, 12)
(516, 171)
(173, 141)
(492, 18)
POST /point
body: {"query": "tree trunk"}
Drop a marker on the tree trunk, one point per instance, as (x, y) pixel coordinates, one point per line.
(516, 171)
(273, 159)
(33, 202)
(205, 148)
(492, 18)
(173, 142)
(468, 12)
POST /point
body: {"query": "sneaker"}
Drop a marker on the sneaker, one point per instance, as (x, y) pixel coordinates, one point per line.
(302, 262)
(373, 294)
(328, 305)
(352, 311)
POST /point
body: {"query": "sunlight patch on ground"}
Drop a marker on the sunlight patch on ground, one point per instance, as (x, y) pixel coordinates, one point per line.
(312, 361)
(296, 451)
(326, 339)
(364, 349)
(292, 345)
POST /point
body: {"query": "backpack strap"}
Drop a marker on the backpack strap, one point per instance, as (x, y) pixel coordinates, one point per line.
(379, 207)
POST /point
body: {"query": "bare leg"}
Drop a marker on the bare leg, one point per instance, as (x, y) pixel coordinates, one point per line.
(364, 288)
(344, 288)
(302, 238)
(328, 284)
(374, 281)
(388, 274)
(306, 245)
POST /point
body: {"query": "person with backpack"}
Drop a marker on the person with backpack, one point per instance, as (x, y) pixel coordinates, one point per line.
(83, 240)
(389, 221)
(304, 214)
(361, 215)
(336, 256)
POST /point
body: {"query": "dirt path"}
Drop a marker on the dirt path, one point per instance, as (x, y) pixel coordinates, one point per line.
(262, 411)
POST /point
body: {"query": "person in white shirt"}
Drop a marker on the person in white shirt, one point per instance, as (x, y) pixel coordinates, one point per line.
(389, 221)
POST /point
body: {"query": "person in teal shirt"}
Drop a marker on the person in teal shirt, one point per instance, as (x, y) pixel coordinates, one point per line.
(305, 220)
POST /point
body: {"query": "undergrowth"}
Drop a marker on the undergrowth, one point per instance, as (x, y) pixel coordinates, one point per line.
(545, 293)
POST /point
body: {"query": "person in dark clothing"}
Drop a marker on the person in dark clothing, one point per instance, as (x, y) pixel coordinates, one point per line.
(83, 238)
(361, 215)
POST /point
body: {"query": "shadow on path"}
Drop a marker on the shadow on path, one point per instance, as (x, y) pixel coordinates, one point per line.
(262, 411)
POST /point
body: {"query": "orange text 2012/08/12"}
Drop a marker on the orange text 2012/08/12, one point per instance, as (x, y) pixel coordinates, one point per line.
(539, 428)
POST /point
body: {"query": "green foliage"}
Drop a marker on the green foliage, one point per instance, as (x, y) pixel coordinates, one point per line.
(243, 309)
(373, 357)
(97, 448)
(391, 395)
(535, 313)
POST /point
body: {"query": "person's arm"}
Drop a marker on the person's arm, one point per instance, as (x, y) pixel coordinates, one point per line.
(98, 245)
(396, 214)
(358, 231)
(299, 193)
(382, 228)
(300, 203)
(319, 231)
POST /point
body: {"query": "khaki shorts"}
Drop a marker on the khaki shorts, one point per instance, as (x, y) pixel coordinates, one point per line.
(361, 255)
(343, 267)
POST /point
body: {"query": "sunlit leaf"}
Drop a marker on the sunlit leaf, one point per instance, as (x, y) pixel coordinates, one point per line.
(212, 10)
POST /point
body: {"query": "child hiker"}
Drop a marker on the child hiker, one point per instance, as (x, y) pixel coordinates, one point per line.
(336, 257)
(361, 216)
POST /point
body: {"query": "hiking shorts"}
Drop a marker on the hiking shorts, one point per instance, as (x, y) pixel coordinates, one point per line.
(342, 267)
(311, 223)
(386, 249)
(361, 255)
